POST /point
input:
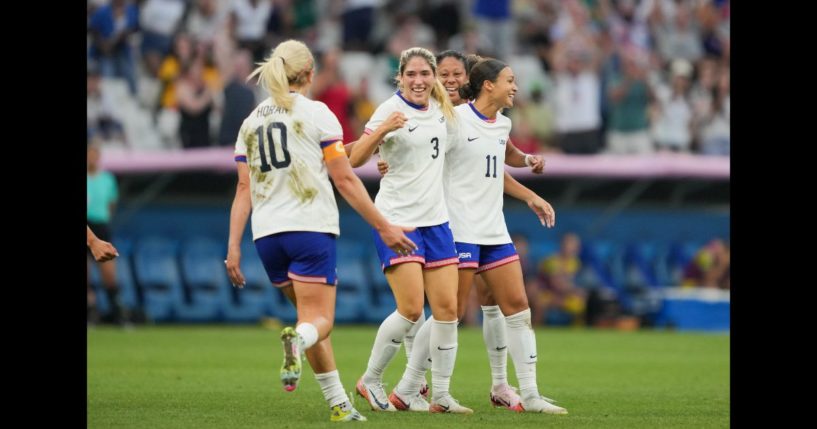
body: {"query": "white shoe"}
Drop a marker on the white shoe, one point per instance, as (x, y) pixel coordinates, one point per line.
(414, 403)
(375, 395)
(447, 404)
(505, 395)
(541, 404)
(345, 413)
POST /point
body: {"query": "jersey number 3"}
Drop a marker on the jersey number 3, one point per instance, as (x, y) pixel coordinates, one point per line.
(265, 166)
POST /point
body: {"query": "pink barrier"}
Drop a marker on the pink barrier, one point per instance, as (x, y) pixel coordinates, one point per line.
(632, 166)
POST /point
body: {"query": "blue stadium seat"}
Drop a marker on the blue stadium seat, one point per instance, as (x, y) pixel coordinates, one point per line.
(679, 255)
(204, 273)
(353, 284)
(154, 263)
(380, 302)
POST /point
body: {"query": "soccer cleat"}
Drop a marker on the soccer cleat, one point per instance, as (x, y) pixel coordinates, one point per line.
(448, 404)
(291, 367)
(504, 395)
(345, 413)
(424, 391)
(414, 403)
(375, 395)
(540, 404)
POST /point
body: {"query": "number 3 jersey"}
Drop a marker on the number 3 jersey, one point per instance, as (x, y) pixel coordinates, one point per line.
(411, 192)
(285, 153)
(474, 177)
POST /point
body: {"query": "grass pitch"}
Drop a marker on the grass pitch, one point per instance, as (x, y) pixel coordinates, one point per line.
(227, 377)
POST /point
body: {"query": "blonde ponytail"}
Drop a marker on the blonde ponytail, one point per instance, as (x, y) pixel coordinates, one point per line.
(439, 93)
(289, 64)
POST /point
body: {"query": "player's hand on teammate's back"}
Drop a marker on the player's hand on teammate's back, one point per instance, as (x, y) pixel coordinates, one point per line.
(543, 209)
(233, 263)
(395, 238)
(382, 167)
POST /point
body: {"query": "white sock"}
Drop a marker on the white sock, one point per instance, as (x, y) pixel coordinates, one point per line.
(493, 332)
(418, 363)
(387, 342)
(308, 333)
(443, 345)
(408, 342)
(522, 346)
(332, 389)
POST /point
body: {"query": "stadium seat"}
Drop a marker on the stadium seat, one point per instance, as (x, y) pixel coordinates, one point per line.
(156, 269)
(380, 302)
(353, 285)
(257, 298)
(204, 273)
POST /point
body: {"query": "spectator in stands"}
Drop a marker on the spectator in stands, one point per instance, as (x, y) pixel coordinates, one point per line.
(247, 25)
(111, 27)
(714, 131)
(710, 267)
(533, 122)
(358, 21)
(205, 21)
(102, 250)
(330, 88)
(239, 98)
(101, 115)
(577, 101)
(672, 124)
(287, 149)
(493, 18)
(558, 276)
(102, 195)
(195, 99)
(159, 21)
(629, 96)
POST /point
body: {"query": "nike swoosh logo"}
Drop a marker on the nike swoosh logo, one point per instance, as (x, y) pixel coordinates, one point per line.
(501, 348)
(533, 356)
(379, 404)
(450, 348)
(443, 407)
(412, 129)
(472, 139)
(395, 341)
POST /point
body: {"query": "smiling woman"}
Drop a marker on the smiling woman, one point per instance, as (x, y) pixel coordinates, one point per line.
(414, 126)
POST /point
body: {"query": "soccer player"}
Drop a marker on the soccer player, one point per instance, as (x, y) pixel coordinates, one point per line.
(102, 195)
(413, 126)
(285, 148)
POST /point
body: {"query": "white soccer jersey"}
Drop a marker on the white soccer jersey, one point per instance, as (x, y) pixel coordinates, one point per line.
(474, 177)
(411, 193)
(288, 181)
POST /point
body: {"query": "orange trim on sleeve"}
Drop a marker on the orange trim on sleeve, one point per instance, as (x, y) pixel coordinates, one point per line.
(333, 151)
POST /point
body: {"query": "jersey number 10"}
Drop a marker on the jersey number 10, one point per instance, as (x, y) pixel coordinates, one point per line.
(265, 166)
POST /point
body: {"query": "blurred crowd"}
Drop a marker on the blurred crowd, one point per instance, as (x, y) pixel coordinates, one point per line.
(595, 76)
(579, 286)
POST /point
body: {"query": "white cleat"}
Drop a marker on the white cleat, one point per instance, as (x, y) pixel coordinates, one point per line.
(414, 403)
(375, 395)
(505, 396)
(448, 404)
(541, 404)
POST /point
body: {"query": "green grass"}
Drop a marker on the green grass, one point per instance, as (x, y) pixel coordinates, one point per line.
(227, 377)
